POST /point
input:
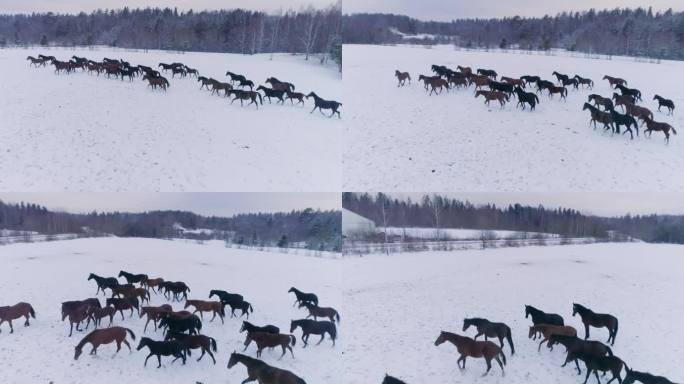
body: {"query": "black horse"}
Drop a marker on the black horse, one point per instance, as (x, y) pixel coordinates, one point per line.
(225, 296)
(131, 278)
(526, 97)
(322, 104)
(175, 289)
(625, 120)
(601, 363)
(391, 380)
(541, 317)
(162, 348)
(561, 77)
(487, 72)
(313, 327)
(125, 303)
(103, 282)
(269, 93)
(571, 81)
(574, 345)
(490, 329)
(502, 87)
(246, 83)
(202, 342)
(663, 102)
(244, 306)
(543, 84)
(528, 79)
(635, 93)
(249, 328)
(599, 320)
(643, 377)
(303, 297)
(235, 77)
(191, 324)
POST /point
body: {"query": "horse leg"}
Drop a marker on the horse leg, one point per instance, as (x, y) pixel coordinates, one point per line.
(540, 344)
(159, 360)
(305, 339)
(321, 340)
(128, 345)
(202, 355)
(148, 357)
(587, 377)
(71, 327)
(489, 367)
(26, 324)
(586, 329)
(500, 364)
(118, 346)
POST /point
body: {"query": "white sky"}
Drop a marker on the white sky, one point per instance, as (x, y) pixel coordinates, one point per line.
(602, 204)
(446, 10)
(220, 204)
(75, 6)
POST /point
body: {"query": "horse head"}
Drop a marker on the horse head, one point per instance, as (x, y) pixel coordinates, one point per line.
(233, 359)
(441, 339)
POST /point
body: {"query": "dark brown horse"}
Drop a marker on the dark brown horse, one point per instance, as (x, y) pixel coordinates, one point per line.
(652, 125)
(597, 115)
(259, 371)
(294, 96)
(202, 306)
(546, 330)
(614, 80)
(477, 349)
(104, 336)
(316, 312)
(97, 314)
(562, 91)
(601, 363)
(638, 112)
(155, 82)
(13, 312)
(493, 95)
(152, 283)
(252, 96)
(606, 102)
(155, 314)
(203, 342)
(269, 340)
(663, 102)
(402, 77)
(36, 62)
(574, 345)
(512, 81)
(490, 329)
(77, 316)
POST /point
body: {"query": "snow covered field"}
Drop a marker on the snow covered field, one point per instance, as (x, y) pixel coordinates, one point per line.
(394, 137)
(45, 274)
(397, 305)
(80, 132)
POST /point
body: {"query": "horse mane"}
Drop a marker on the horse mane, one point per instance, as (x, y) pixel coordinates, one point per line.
(84, 340)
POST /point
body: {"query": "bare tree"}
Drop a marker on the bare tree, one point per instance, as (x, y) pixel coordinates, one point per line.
(311, 32)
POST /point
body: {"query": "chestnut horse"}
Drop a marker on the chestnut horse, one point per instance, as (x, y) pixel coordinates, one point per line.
(13, 312)
(546, 330)
(652, 125)
(477, 349)
(493, 95)
(154, 314)
(202, 306)
(269, 340)
(104, 336)
(317, 312)
(259, 371)
(614, 80)
(76, 316)
(402, 77)
(97, 314)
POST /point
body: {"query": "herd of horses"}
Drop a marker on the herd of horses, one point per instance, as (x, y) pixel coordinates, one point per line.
(181, 329)
(551, 329)
(237, 88)
(491, 87)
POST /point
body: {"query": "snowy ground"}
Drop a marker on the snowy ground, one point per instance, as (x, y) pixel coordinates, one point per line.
(81, 132)
(398, 304)
(400, 139)
(45, 274)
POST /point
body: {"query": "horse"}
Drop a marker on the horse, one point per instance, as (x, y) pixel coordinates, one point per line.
(154, 314)
(178, 70)
(614, 80)
(270, 92)
(512, 81)
(192, 324)
(254, 97)
(152, 283)
(35, 62)
(13, 312)
(76, 316)
(97, 314)
(437, 83)
(526, 97)
(104, 336)
(493, 95)
(490, 329)
(191, 71)
(225, 296)
(269, 340)
(123, 290)
(317, 312)
(457, 81)
(235, 77)
(259, 371)
(652, 125)
(477, 349)
(70, 305)
(280, 85)
(155, 82)
(131, 278)
(249, 327)
(643, 377)
(203, 342)
(571, 81)
(543, 84)
(637, 111)
(541, 317)
(663, 102)
(244, 306)
(426, 80)
(166, 67)
(246, 83)
(560, 77)
(303, 296)
(546, 330)
(174, 289)
(206, 82)
(527, 79)
(601, 363)
(162, 348)
(313, 327)
(602, 117)
(635, 93)
(501, 87)
(217, 87)
(560, 90)
(600, 100)
(623, 100)
(391, 380)
(130, 72)
(479, 81)
(574, 345)
(295, 95)
(464, 70)
(103, 282)
(625, 120)
(322, 104)
(125, 303)
(206, 306)
(46, 58)
(584, 81)
(402, 77)
(487, 72)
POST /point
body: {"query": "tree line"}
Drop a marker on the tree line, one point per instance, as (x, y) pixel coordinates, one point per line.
(630, 32)
(308, 31)
(309, 228)
(437, 211)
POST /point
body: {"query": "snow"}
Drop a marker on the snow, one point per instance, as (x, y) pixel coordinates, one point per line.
(79, 132)
(45, 274)
(404, 140)
(402, 302)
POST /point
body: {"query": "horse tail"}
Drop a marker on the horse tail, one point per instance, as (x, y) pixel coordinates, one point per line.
(213, 344)
(536, 98)
(251, 310)
(610, 351)
(32, 312)
(198, 323)
(510, 340)
(337, 316)
(617, 323)
(130, 333)
(673, 130)
(293, 339)
(625, 364)
(333, 331)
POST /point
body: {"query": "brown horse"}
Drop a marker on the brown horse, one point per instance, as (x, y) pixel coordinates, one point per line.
(436, 84)
(252, 96)
(637, 111)
(259, 371)
(464, 70)
(614, 80)
(477, 349)
(205, 343)
(294, 96)
(13, 312)
(155, 82)
(653, 125)
(317, 311)
(104, 336)
(140, 293)
(402, 77)
(97, 314)
(217, 87)
(560, 90)
(269, 340)
(152, 283)
(606, 102)
(155, 314)
(597, 115)
(77, 316)
(36, 62)
(202, 306)
(512, 81)
(479, 81)
(547, 330)
(493, 95)
(123, 290)
(426, 79)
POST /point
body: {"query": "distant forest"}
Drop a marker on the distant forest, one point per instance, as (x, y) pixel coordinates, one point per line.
(308, 31)
(435, 211)
(315, 229)
(630, 32)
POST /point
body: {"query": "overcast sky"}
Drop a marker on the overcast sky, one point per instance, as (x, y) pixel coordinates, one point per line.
(75, 6)
(602, 204)
(220, 204)
(446, 10)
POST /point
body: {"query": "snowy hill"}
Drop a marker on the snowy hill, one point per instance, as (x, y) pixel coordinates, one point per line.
(401, 138)
(84, 132)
